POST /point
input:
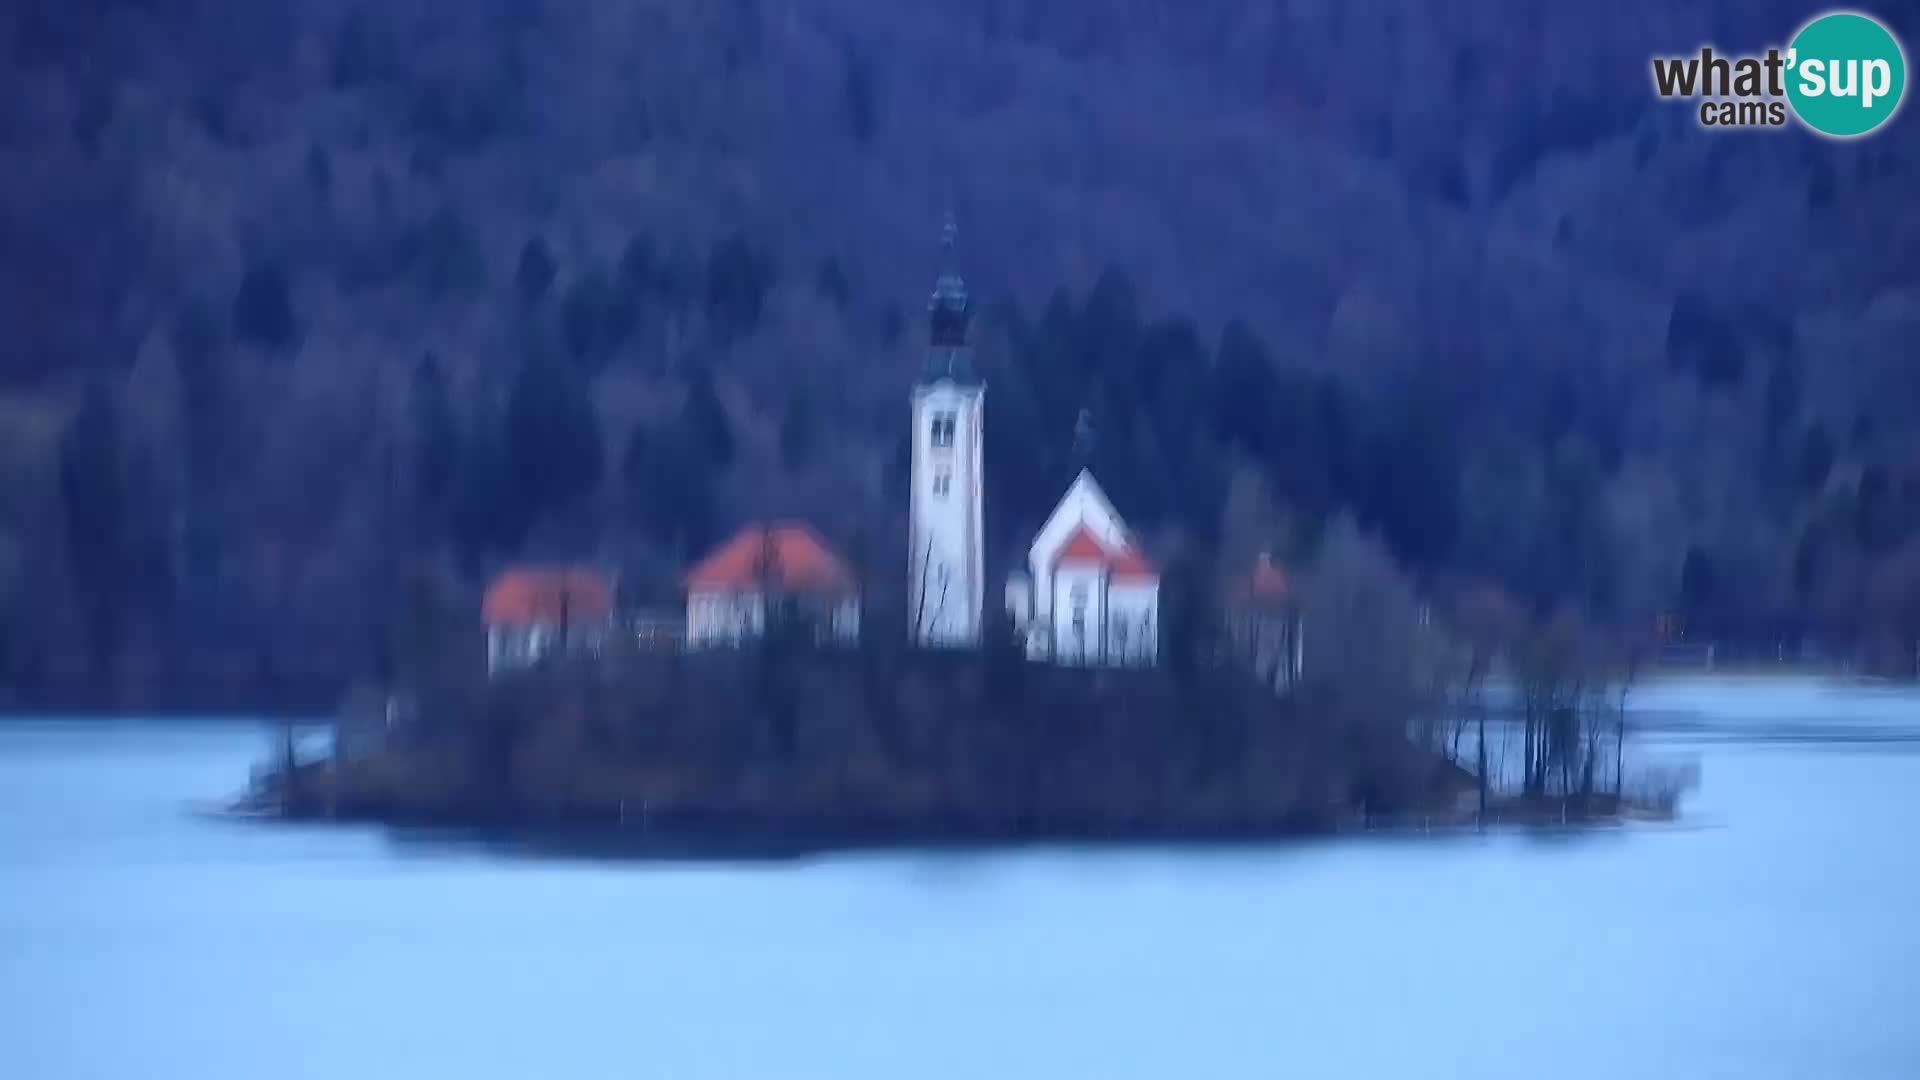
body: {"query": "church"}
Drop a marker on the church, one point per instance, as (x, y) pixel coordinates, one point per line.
(1087, 594)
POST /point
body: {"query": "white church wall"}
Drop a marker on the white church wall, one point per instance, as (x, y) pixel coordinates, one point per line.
(1080, 600)
(1133, 625)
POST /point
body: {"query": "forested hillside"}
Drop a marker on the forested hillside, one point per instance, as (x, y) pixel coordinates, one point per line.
(310, 301)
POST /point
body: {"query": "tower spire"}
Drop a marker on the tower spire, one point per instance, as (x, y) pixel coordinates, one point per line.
(949, 315)
(1083, 440)
(949, 289)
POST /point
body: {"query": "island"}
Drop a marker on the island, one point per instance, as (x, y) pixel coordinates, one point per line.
(796, 741)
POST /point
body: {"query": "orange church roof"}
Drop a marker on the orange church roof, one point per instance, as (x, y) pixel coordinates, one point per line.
(1083, 546)
(788, 554)
(547, 594)
(1125, 562)
(1130, 565)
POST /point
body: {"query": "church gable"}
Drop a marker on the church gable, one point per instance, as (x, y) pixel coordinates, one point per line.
(1121, 562)
(1084, 505)
(1083, 547)
(1093, 596)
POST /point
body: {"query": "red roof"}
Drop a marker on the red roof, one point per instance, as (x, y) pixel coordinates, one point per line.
(1083, 546)
(534, 594)
(1129, 564)
(1124, 562)
(1267, 583)
(789, 555)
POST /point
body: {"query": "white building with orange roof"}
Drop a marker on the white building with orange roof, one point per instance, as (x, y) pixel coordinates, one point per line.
(1089, 595)
(765, 569)
(1264, 623)
(530, 612)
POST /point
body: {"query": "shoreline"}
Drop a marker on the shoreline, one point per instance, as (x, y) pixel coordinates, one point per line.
(764, 842)
(773, 832)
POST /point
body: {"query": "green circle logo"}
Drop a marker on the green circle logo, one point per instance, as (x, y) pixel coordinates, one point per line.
(1846, 74)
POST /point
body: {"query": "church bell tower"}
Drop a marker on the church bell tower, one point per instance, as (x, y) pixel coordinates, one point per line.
(946, 584)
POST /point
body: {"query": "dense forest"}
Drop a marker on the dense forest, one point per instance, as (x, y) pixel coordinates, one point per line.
(313, 306)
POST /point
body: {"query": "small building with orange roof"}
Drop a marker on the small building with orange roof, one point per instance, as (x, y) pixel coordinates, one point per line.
(530, 612)
(771, 568)
(1089, 595)
(1264, 624)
